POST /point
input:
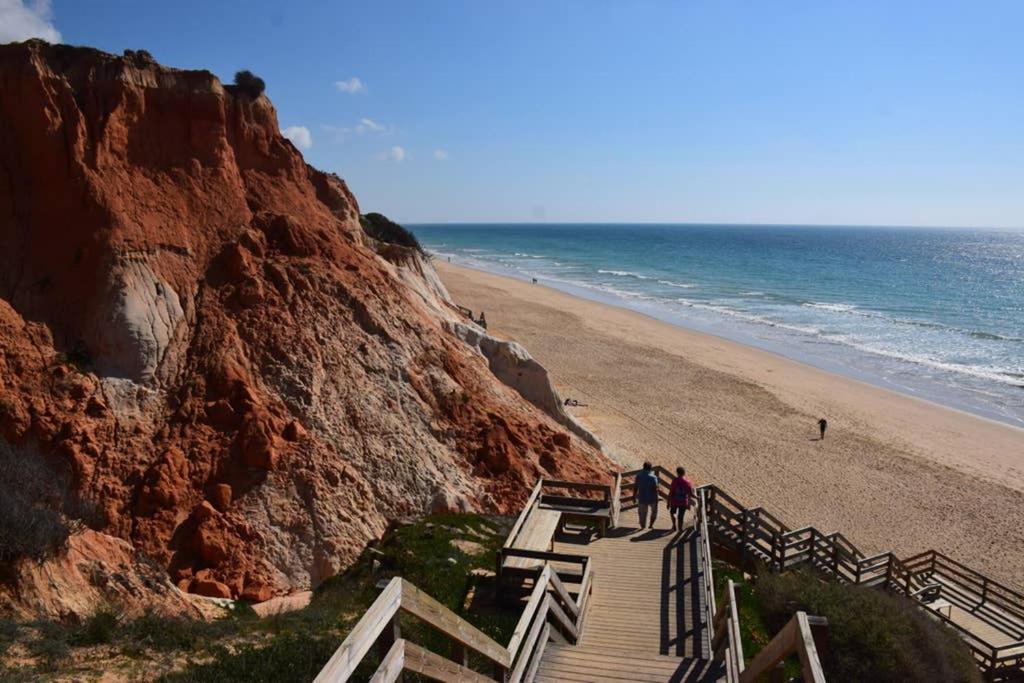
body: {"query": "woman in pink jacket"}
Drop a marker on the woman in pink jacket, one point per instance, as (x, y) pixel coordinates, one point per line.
(680, 495)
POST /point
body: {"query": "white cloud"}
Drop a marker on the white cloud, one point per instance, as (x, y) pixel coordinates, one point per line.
(336, 133)
(370, 126)
(299, 135)
(441, 154)
(20, 21)
(396, 154)
(351, 86)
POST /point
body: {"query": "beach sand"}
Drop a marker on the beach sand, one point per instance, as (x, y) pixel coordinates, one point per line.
(893, 473)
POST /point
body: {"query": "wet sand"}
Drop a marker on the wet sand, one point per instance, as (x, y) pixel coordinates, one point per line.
(894, 472)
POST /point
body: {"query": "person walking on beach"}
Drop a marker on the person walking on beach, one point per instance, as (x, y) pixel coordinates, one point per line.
(647, 495)
(680, 496)
(822, 425)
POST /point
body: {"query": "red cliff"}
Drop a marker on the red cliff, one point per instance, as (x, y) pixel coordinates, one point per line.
(193, 325)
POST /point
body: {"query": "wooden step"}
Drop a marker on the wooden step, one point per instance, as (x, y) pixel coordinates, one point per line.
(576, 664)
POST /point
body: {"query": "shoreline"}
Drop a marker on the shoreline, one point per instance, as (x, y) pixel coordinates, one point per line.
(772, 349)
(848, 366)
(895, 471)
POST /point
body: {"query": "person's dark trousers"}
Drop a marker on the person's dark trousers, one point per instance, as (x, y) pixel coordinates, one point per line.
(678, 517)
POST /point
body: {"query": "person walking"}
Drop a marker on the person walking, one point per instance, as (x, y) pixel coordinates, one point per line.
(680, 495)
(647, 495)
(822, 425)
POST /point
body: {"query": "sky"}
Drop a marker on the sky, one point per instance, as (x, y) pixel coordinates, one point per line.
(869, 112)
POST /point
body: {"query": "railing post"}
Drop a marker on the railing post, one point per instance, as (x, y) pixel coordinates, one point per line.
(744, 522)
(779, 550)
(819, 632)
(387, 638)
(835, 558)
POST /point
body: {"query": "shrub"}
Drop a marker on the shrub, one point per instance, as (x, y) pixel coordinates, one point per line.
(872, 635)
(379, 227)
(50, 646)
(8, 634)
(31, 498)
(249, 84)
(99, 629)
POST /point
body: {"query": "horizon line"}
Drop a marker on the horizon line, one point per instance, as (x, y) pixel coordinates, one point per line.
(1019, 228)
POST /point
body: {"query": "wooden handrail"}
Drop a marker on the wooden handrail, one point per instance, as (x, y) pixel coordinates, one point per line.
(550, 599)
(795, 636)
(527, 509)
(731, 525)
(706, 565)
(726, 645)
(617, 500)
(365, 633)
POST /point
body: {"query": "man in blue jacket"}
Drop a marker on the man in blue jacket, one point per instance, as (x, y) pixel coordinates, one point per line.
(647, 495)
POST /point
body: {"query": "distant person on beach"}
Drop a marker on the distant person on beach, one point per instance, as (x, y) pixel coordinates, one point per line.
(680, 497)
(482, 322)
(647, 495)
(822, 425)
(534, 280)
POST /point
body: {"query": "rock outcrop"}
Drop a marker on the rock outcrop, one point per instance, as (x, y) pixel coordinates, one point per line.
(192, 321)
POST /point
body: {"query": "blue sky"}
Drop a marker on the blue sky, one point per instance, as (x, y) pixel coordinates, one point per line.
(866, 112)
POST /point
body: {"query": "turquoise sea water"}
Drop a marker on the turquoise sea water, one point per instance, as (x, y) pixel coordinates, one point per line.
(936, 313)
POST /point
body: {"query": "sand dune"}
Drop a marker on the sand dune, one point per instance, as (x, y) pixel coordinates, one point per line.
(894, 472)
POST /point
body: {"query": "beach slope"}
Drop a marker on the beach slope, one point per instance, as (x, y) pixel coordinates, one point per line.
(893, 473)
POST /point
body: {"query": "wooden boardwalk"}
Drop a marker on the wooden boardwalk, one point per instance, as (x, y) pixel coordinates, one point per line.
(645, 618)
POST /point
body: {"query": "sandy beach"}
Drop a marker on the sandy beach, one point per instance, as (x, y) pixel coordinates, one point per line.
(893, 473)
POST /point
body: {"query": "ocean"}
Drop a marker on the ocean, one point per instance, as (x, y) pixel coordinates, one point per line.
(934, 313)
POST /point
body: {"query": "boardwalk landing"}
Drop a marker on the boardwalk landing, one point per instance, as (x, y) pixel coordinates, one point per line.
(645, 618)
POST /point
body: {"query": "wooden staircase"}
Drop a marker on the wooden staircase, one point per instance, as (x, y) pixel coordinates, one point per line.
(586, 664)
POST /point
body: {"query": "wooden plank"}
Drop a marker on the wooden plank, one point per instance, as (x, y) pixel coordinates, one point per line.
(531, 641)
(427, 663)
(583, 597)
(540, 589)
(391, 666)
(421, 605)
(538, 655)
(537, 534)
(525, 512)
(568, 603)
(544, 555)
(563, 619)
(362, 637)
(735, 642)
(773, 653)
(575, 485)
(809, 665)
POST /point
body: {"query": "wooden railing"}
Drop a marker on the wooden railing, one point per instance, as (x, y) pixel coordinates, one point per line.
(726, 645)
(802, 635)
(754, 535)
(528, 508)
(707, 569)
(551, 613)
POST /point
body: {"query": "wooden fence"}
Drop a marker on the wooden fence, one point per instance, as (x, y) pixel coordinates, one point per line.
(551, 613)
(754, 535)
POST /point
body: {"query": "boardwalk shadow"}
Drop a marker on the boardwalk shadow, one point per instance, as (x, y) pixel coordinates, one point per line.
(682, 628)
(651, 535)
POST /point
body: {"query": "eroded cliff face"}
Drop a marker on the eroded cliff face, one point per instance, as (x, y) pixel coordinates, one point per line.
(255, 392)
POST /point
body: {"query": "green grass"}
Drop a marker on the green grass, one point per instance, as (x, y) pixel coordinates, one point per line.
(755, 633)
(295, 646)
